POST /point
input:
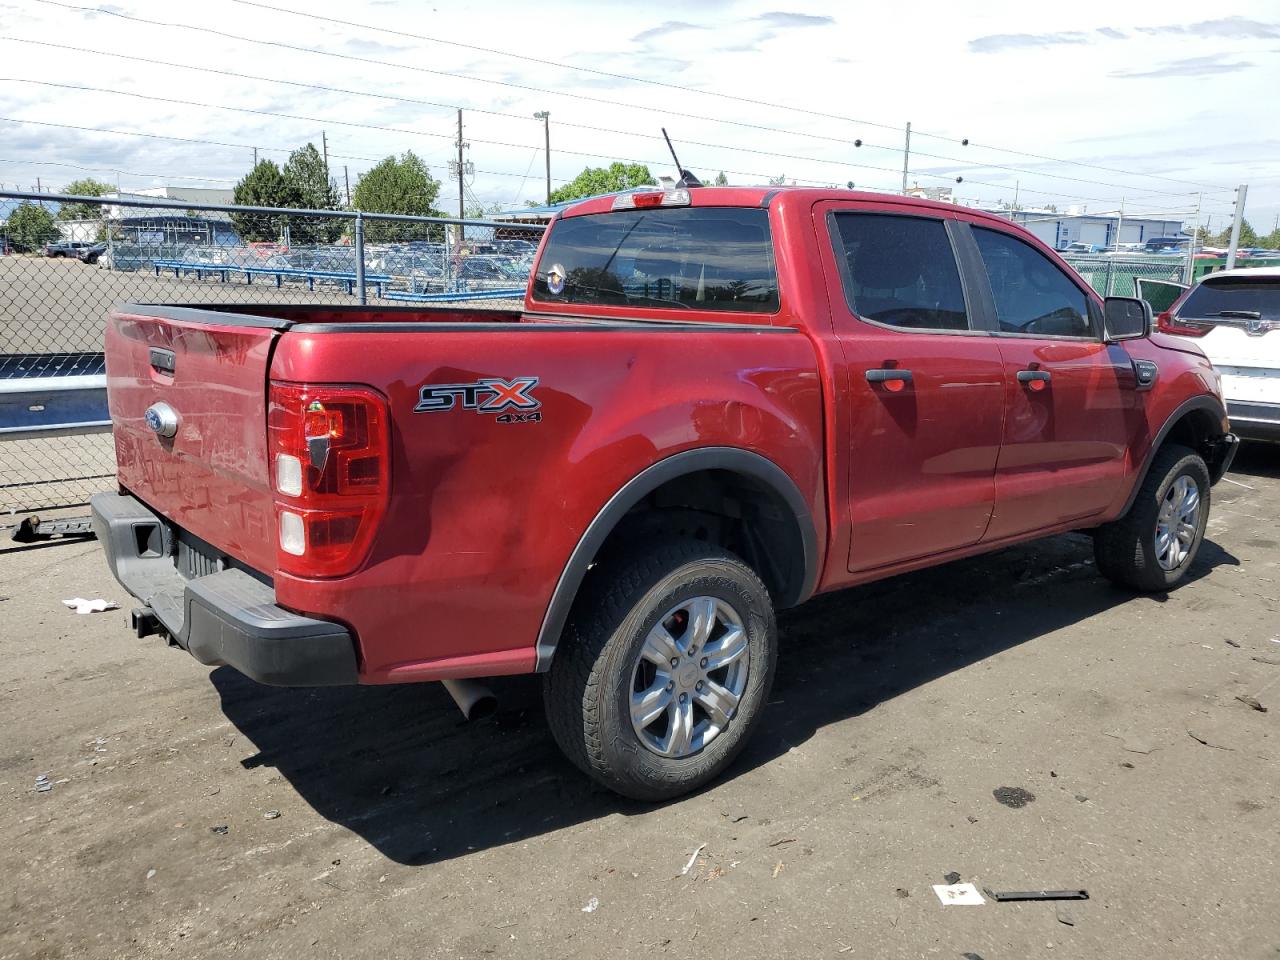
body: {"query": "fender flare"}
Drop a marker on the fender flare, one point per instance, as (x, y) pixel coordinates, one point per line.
(731, 459)
(1203, 402)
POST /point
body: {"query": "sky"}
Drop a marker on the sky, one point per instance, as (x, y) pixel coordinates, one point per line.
(1161, 106)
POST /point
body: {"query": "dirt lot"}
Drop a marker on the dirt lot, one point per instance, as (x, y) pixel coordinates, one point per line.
(899, 709)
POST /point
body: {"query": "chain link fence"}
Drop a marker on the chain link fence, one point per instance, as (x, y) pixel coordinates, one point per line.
(1114, 276)
(67, 262)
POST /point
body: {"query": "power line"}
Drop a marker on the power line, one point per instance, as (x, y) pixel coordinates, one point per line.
(613, 103)
(131, 173)
(423, 133)
(704, 92)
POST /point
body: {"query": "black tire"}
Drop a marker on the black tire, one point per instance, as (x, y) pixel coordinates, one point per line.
(587, 692)
(1125, 549)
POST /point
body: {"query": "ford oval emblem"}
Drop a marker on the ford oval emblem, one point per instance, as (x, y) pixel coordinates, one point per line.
(162, 419)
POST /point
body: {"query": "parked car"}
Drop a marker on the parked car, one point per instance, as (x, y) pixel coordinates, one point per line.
(92, 253)
(66, 248)
(716, 402)
(1079, 246)
(1234, 317)
(1165, 244)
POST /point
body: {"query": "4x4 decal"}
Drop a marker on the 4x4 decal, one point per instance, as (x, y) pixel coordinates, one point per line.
(490, 395)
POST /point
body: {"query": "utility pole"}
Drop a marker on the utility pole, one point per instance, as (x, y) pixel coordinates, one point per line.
(1119, 227)
(255, 156)
(906, 158)
(1191, 247)
(1241, 192)
(545, 117)
(347, 178)
(461, 188)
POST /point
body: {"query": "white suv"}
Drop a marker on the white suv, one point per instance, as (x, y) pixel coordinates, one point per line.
(1234, 316)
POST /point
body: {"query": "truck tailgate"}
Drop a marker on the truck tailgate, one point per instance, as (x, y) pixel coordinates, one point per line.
(211, 371)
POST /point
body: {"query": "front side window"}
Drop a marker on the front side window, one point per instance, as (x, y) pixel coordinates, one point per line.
(1032, 295)
(695, 258)
(901, 271)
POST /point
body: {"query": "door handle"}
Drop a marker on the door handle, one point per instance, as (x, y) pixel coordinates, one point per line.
(892, 378)
(1034, 379)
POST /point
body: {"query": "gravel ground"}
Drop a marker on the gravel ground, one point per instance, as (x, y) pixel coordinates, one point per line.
(900, 709)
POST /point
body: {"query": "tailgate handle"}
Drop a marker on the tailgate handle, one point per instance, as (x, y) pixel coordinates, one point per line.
(163, 361)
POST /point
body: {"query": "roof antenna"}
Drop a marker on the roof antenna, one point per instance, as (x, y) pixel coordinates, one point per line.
(687, 179)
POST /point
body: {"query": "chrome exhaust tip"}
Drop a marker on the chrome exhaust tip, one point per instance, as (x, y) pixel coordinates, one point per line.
(473, 698)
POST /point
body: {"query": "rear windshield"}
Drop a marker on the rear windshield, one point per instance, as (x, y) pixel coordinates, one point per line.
(698, 258)
(1214, 298)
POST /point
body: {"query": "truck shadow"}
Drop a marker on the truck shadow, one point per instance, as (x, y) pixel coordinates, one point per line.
(398, 766)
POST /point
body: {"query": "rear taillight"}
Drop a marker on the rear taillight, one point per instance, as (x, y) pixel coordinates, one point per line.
(1168, 323)
(330, 472)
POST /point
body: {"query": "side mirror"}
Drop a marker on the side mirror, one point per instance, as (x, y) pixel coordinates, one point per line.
(1126, 318)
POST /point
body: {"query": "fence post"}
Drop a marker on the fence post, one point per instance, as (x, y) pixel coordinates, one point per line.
(1110, 270)
(361, 293)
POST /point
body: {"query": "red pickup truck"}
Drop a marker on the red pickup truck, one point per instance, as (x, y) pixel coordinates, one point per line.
(716, 402)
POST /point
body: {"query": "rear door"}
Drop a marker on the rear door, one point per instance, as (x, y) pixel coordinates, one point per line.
(924, 388)
(207, 371)
(1067, 394)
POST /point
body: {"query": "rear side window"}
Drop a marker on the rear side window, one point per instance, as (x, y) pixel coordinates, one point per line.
(1032, 295)
(697, 258)
(901, 271)
(1242, 298)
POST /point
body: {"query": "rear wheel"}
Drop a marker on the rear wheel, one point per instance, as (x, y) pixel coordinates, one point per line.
(664, 669)
(1153, 545)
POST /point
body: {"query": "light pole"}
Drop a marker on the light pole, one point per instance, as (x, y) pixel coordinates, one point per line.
(545, 117)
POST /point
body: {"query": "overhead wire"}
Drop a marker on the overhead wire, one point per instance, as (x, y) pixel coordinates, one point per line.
(510, 84)
(310, 15)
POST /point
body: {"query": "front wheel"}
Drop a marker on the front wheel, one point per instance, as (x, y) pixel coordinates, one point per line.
(1153, 545)
(664, 669)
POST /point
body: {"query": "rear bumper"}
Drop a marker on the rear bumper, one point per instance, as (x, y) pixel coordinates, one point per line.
(1254, 421)
(226, 617)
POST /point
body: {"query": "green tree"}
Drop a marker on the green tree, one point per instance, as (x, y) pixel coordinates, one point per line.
(31, 226)
(1248, 238)
(721, 179)
(263, 186)
(1271, 241)
(593, 181)
(307, 173)
(88, 187)
(404, 186)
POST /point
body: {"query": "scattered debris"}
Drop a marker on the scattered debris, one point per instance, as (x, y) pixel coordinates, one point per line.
(1064, 915)
(1128, 766)
(972, 819)
(151, 873)
(1199, 739)
(692, 860)
(271, 815)
(902, 893)
(81, 605)
(777, 870)
(220, 831)
(952, 877)
(778, 843)
(1013, 896)
(592, 905)
(1266, 660)
(1131, 744)
(1081, 798)
(958, 895)
(1014, 797)
(1232, 643)
(1252, 702)
(42, 783)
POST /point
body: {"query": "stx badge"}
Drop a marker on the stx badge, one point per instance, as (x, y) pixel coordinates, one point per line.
(491, 395)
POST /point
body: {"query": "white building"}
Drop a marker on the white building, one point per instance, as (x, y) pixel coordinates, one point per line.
(1077, 225)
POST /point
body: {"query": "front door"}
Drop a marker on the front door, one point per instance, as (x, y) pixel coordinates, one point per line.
(924, 388)
(1062, 455)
